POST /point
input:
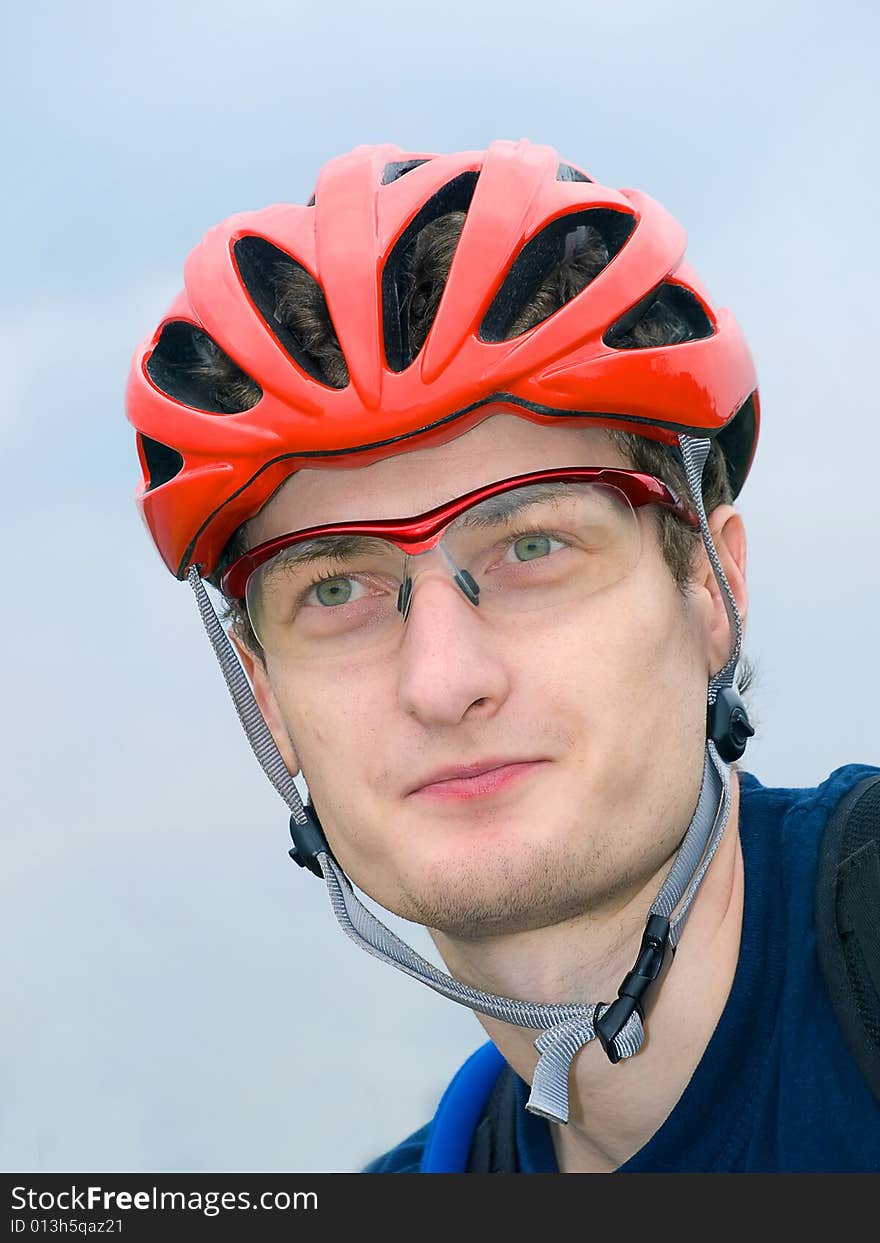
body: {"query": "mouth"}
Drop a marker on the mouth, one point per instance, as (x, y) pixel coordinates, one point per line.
(476, 780)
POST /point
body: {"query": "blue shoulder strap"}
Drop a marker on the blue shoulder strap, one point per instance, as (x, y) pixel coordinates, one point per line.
(459, 1111)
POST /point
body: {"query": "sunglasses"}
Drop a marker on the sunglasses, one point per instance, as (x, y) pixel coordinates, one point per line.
(519, 544)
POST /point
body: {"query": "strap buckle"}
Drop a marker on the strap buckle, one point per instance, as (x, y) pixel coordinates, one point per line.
(630, 995)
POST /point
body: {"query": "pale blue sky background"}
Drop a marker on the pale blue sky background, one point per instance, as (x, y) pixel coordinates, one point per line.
(177, 994)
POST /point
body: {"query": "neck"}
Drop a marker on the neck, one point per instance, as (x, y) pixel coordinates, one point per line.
(615, 1109)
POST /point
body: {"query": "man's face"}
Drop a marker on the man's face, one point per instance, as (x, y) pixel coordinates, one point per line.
(601, 704)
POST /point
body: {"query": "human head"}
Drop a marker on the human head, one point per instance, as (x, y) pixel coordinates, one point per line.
(307, 341)
(679, 545)
(611, 694)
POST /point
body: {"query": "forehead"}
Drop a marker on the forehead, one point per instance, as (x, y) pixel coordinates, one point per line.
(408, 483)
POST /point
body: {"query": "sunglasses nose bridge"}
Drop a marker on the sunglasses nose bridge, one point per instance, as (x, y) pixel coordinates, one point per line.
(461, 577)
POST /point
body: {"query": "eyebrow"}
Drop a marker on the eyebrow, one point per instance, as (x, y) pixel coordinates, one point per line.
(507, 504)
(336, 546)
(485, 513)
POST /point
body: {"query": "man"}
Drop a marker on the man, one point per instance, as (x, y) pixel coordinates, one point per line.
(459, 441)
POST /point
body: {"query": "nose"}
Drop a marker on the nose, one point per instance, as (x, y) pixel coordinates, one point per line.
(450, 662)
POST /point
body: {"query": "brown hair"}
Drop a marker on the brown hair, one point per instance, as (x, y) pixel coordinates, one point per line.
(300, 307)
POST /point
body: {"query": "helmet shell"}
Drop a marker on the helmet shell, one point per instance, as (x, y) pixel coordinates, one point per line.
(204, 472)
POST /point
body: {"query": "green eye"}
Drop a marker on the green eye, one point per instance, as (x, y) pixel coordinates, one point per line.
(334, 591)
(529, 547)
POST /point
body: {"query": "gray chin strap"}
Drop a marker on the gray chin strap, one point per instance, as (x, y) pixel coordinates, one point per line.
(564, 1029)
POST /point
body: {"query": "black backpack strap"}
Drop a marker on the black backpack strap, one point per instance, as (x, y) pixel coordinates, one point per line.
(847, 913)
(493, 1147)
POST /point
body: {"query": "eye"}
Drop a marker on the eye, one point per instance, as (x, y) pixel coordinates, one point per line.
(330, 592)
(533, 546)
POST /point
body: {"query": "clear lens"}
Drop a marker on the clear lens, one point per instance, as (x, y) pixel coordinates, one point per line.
(537, 546)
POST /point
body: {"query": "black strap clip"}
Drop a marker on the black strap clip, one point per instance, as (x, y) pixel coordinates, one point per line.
(630, 995)
(308, 841)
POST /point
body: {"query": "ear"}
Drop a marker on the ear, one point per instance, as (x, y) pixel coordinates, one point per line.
(267, 703)
(729, 537)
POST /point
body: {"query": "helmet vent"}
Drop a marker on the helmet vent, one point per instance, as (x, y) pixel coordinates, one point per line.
(391, 172)
(554, 267)
(409, 299)
(737, 439)
(190, 366)
(162, 463)
(294, 307)
(669, 315)
(567, 172)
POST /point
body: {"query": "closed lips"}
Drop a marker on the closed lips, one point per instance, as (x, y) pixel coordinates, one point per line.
(463, 771)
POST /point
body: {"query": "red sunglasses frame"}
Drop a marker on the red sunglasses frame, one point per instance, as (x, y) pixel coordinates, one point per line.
(424, 531)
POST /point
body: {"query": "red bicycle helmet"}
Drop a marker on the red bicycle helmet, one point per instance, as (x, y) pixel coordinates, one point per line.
(205, 471)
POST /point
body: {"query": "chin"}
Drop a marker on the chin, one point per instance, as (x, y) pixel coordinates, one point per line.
(488, 892)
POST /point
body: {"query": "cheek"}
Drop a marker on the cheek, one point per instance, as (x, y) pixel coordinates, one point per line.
(330, 719)
(338, 723)
(623, 643)
(632, 667)
(332, 724)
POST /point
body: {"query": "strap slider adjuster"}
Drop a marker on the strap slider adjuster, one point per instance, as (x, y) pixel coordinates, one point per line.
(631, 994)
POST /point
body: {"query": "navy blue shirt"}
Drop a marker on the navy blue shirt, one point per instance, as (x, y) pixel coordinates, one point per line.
(776, 1089)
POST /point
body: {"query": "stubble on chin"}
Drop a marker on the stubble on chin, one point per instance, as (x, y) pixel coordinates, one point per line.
(501, 895)
(524, 887)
